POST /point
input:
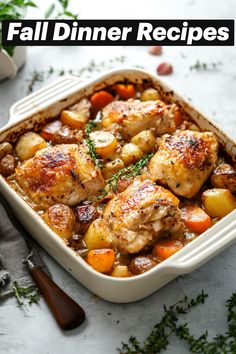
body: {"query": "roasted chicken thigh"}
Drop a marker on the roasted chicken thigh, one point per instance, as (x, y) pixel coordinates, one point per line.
(140, 214)
(60, 174)
(134, 116)
(184, 161)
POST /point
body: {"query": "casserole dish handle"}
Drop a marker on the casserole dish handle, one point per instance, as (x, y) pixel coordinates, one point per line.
(41, 98)
(204, 247)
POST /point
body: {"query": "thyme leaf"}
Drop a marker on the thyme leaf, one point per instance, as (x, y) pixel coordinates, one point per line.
(90, 143)
(12, 10)
(202, 66)
(128, 172)
(158, 339)
(92, 67)
(31, 294)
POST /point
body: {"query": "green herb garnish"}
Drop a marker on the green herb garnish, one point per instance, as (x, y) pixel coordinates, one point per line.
(90, 143)
(30, 294)
(43, 75)
(158, 339)
(64, 4)
(128, 172)
(201, 66)
(12, 10)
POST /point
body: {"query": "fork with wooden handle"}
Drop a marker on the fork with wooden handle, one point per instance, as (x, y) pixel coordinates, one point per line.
(66, 311)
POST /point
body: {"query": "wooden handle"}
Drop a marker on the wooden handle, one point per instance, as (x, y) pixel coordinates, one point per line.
(66, 311)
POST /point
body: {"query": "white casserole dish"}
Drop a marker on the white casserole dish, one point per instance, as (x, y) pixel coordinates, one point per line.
(36, 108)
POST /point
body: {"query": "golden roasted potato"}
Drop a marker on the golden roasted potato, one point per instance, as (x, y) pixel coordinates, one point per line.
(28, 144)
(218, 202)
(74, 120)
(60, 218)
(84, 216)
(145, 140)
(224, 176)
(105, 143)
(130, 153)
(150, 94)
(98, 235)
(112, 167)
(5, 149)
(120, 271)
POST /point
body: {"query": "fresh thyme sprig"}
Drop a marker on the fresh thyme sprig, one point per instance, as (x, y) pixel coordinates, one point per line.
(31, 294)
(42, 75)
(158, 340)
(90, 143)
(128, 172)
(201, 66)
(12, 10)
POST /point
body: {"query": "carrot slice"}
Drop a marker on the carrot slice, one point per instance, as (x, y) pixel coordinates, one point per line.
(101, 260)
(178, 118)
(125, 91)
(166, 248)
(195, 218)
(100, 99)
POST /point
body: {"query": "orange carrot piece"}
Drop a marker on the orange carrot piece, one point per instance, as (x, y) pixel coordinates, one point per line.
(101, 260)
(178, 118)
(195, 218)
(125, 91)
(100, 99)
(166, 248)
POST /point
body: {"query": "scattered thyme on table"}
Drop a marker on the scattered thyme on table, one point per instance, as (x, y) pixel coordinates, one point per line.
(29, 294)
(158, 339)
(38, 76)
(201, 66)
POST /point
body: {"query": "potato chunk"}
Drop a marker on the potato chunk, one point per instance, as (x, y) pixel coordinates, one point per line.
(218, 202)
(112, 167)
(98, 235)
(60, 219)
(150, 94)
(73, 119)
(28, 144)
(145, 140)
(105, 143)
(224, 176)
(130, 153)
(120, 271)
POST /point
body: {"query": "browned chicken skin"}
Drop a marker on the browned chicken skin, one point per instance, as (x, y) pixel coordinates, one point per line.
(184, 161)
(60, 174)
(135, 116)
(140, 214)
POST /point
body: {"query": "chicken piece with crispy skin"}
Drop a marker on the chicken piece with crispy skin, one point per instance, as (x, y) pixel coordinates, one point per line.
(184, 161)
(60, 174)
(140, 214)
(134, 116)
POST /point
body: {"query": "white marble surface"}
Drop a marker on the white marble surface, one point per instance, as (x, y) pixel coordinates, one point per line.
(33, 330)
